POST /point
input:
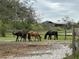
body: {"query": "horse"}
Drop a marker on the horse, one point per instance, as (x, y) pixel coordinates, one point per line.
(36, 35)
(21, 34)
(50, 33)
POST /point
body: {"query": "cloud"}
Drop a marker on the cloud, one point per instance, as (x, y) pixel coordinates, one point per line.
(56, 9)
(64, 1)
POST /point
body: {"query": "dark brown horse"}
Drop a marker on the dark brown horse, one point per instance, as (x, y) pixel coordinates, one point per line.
(21, 35)
(36, 35)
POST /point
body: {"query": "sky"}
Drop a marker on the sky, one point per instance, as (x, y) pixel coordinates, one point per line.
(54, 10)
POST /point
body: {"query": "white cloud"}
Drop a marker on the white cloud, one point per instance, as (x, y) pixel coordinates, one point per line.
(55, 9)
(55, 6)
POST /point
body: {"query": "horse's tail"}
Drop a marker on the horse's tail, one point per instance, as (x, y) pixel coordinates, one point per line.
(45, 36)
(29, 37)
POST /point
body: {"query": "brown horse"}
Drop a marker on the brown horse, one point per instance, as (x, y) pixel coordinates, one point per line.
(36, 35)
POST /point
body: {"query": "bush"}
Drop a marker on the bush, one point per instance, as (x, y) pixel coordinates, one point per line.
(3, 30)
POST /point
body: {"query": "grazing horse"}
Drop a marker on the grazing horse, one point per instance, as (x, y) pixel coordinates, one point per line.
(36, 35)
(21, 34)
(50, 33)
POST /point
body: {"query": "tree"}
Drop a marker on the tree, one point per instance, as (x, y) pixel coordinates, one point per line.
(13, 11)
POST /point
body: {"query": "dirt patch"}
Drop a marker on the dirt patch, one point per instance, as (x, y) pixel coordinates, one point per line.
(35, 50)
(20, 48)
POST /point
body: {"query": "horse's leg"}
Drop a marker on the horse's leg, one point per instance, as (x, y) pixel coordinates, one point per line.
(25, 39)
(21, 38)
(38, 38)
(25, 35)
(35, 38)
(49, 37)
(54, 37)
(45, 36)
(17, 38)
(29, 37)
(57, 37)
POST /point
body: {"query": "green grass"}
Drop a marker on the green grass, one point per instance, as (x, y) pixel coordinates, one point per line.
(9, 37)
(63, 37)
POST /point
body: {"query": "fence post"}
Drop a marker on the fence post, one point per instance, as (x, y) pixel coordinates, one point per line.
(73, 41)
(65, 32)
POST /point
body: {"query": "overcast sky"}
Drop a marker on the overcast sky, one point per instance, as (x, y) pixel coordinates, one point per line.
(56, 9)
